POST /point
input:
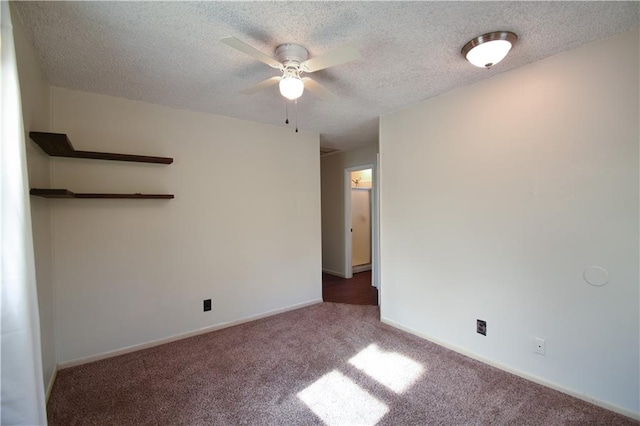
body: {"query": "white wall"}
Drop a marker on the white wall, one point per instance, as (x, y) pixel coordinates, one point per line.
(518, 184)
(243, 230)
(332, 171)
(34, 87)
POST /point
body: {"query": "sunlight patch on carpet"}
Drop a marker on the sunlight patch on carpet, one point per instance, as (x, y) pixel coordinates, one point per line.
(337, 400)
(391, 369)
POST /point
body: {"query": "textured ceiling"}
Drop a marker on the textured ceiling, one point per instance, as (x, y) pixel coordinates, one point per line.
(169, 52)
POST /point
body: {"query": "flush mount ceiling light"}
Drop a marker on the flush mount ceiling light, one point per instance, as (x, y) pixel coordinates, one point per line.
(488, 49)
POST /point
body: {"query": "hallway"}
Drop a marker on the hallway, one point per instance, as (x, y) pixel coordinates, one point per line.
(355, 291)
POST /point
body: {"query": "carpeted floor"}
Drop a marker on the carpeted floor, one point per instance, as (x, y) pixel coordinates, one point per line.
(329, 364)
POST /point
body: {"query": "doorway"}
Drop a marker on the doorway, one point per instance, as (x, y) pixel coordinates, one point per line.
(361, 184)
(358, 283)
(360, 220)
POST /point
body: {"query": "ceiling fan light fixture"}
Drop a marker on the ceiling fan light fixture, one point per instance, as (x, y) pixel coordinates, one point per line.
(488, 49)
(291, 87)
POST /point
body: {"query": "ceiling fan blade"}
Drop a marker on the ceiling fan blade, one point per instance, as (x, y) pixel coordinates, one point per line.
(318, 90)
(251, 51)
(262, 85)
(335, 57)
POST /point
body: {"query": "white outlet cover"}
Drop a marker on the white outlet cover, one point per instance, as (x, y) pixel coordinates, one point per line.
(540, 346)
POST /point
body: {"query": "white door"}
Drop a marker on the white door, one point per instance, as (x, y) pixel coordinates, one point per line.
(361, 225)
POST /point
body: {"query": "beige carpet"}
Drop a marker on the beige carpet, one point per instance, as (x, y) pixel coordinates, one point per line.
(326, 364)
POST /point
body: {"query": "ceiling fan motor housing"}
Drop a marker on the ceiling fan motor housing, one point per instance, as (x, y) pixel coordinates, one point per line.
(291, 55)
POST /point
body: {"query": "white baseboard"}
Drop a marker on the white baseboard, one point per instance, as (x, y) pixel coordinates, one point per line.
(51, 381)
(524, 375)
(134, 348)
(336, 273)
(361, 268)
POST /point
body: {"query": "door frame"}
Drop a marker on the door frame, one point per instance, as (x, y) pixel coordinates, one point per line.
(348, 243)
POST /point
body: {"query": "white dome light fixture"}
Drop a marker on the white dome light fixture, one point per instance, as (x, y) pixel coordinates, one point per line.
(488, 49)
(291, 86)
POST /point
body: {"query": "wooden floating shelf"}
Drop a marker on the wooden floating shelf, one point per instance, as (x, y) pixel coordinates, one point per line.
(59, 145)
(65, 193)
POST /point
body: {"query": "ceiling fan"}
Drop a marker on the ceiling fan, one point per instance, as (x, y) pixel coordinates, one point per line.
(293, 60)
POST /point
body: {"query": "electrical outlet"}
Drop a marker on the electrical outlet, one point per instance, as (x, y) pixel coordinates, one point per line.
(207, 305)
(481, 327)
(540, 346)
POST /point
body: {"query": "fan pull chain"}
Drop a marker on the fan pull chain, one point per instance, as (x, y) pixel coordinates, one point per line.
(295, 104)
(286, 108)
